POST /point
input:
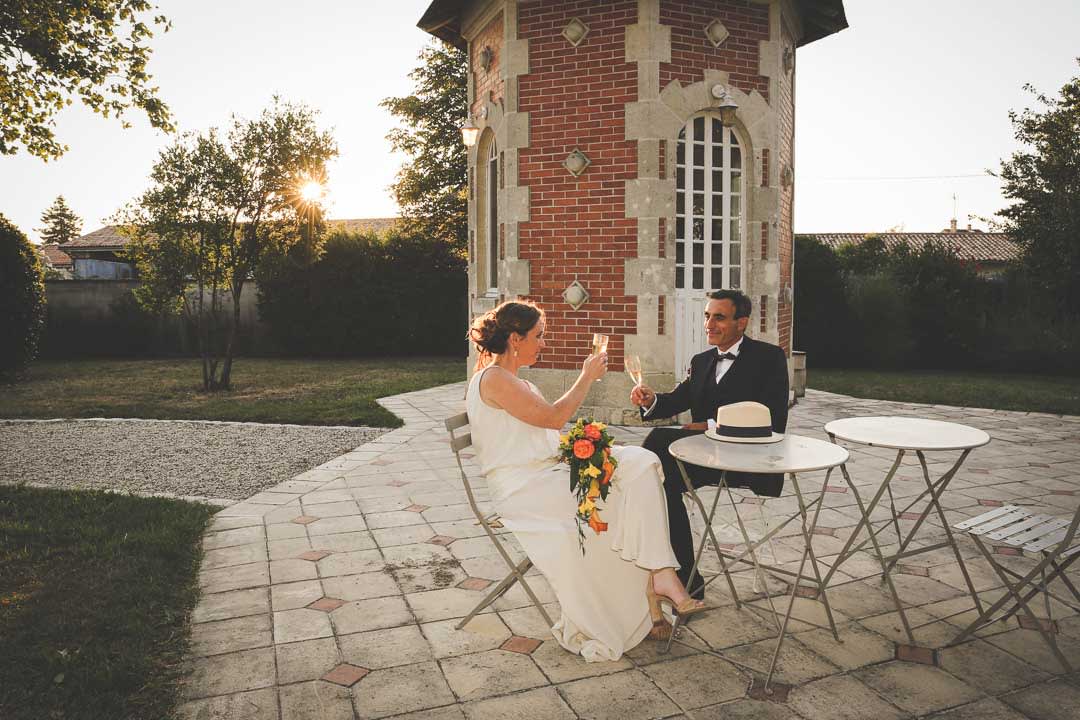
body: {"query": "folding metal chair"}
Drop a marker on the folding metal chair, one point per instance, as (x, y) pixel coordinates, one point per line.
(488, 522)
(1052, 538)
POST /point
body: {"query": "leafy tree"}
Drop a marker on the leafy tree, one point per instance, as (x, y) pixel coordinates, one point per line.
(54, 50)
(215, 207)
(432, 187)
(61, 222)
(22, 295)
(1044, 183)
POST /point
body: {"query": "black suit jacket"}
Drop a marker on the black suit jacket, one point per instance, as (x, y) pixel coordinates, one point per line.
(759, 373)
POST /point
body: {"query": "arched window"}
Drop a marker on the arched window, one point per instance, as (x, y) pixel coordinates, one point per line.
(493, 217)
(708, 207)
(487, 216)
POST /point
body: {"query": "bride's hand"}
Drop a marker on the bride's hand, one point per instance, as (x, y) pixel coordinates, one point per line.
(594, 366)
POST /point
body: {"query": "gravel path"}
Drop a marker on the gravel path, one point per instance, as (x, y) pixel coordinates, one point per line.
(186, 458)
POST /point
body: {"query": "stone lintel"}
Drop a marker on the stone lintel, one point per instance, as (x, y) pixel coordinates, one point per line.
(649, 276)
(650, 198)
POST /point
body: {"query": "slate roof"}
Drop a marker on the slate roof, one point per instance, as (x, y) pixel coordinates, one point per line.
(968, 245)
(56, 257)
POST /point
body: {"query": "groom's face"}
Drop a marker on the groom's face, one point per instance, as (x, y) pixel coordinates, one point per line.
(720, 324)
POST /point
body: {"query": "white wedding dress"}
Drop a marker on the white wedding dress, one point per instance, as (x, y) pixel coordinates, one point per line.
(601, 593)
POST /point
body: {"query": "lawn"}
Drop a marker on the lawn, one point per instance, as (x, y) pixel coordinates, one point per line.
(1032, 393)
(95, 593)
(269, 390)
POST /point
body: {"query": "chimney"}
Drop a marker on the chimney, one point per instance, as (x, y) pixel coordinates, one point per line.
(969, 227)
(952, 225)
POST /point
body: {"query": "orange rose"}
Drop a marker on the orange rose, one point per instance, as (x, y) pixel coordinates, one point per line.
(594, 522)
(583, 449)
(592, 432)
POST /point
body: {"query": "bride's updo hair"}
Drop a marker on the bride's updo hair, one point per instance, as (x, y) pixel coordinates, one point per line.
(490, 332)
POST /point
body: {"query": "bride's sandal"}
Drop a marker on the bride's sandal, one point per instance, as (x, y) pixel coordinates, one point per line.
(661, 628)
(684, 610)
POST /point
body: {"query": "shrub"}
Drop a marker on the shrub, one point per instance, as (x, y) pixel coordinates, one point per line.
(879, 334)
(22, 297)
(820, 305)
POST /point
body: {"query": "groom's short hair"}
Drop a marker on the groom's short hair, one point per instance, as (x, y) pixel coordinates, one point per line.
(737, 298)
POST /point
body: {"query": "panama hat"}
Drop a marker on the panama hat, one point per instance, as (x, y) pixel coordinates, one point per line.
(744, 422)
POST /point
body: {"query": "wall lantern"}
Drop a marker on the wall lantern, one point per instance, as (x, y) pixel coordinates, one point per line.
(469, 133)
(727, 105)
(487, 56)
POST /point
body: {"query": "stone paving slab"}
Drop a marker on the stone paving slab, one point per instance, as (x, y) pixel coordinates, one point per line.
(336, 595)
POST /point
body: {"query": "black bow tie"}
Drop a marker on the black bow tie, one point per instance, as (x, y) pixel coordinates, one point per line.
(726, 356)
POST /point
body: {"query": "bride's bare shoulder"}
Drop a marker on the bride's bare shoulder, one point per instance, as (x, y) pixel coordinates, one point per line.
(495, 382)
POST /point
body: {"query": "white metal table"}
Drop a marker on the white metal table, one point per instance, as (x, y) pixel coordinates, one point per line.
(905, 434)
(792, 455)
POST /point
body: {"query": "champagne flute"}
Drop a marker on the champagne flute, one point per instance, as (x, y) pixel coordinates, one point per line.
(632, 363)
(599, 343)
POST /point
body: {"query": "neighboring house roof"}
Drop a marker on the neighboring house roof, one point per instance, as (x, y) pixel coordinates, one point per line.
(968, 245)
(56, 257)
(819, 19)
(376, 225)
(106, 238)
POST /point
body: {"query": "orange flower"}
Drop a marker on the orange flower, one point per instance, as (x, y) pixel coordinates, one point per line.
(594, 490)
(583, 449)
(609, 470)
(592, 432)
(594, 522)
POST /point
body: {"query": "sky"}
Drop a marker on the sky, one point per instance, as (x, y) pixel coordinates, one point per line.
(895, 115)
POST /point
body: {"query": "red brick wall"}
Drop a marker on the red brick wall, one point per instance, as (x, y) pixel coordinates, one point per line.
(488, 81)
(692, 53)
(786, 115)
(576, 97)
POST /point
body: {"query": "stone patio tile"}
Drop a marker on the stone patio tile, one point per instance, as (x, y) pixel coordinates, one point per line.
(527, 622)
(323, 497)
(221, 522)
(987, 709)
(726, 627)
(396, 518)
(694, 682)
(376, 649)
(987, 668)
(415, 554)
(933, 635)
(450, 602)
(381, 504)
(236, 536)
(254, 705)
(628, 695)
(451, 512)
(1029, 646)
(231, 604)
(404, 535)
(287, 571)
(351, 563)
(334, 525)
(225, 636)
(300, 624)
(345, 508)
(315, 701)
(290, 596)
(797, 663)
(540, 703)
(237, 577)
(285, 531)
(236, 555)
(744, 710)
(361, 587)
(281, 513)
(1055, 700)
(494, 672)
(374, 614)
(859, 646)
(840, 697)
(516, 596)
(435, 576)
(346, 542)
(459, 528)
(288, 548)
(917, 689)
(561, 666)
(235, 672)
(305, 660)
(484, 632)
(401, 689)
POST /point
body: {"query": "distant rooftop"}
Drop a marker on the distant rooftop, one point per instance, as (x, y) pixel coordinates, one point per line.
(968, 244)
(56, 257)
(109, 237)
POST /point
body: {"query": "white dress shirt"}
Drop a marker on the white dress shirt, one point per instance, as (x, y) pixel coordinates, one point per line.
(722, 367)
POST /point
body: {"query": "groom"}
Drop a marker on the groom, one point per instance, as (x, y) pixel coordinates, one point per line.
(737, 369)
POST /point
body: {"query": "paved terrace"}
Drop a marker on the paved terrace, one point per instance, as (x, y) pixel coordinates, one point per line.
(334, 596)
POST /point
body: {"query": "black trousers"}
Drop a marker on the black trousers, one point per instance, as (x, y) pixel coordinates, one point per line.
(682, 541)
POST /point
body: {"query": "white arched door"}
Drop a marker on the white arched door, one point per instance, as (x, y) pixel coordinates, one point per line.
(708, 226)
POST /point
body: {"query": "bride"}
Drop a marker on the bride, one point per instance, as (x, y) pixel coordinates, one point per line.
(610, 596)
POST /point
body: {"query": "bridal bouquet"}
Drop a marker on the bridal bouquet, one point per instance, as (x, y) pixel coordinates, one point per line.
(587, 449)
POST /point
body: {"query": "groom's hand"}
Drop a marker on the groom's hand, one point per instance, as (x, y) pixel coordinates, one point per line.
(642, 396)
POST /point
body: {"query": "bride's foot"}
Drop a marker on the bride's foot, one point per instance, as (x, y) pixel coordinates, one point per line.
(666, 584)
(661, 628)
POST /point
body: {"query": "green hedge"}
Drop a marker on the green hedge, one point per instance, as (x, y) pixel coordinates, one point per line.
(869, 307)
(367, 296)
(22, 301)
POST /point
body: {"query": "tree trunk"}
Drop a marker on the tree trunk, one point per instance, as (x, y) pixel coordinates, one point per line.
(226, 372)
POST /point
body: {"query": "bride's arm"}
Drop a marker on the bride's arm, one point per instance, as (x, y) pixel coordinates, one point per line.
(502, 389)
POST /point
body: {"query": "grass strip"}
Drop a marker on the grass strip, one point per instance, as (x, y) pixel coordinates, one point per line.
(96, 590)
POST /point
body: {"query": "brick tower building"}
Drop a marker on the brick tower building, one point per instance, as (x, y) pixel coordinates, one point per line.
(632, 155)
